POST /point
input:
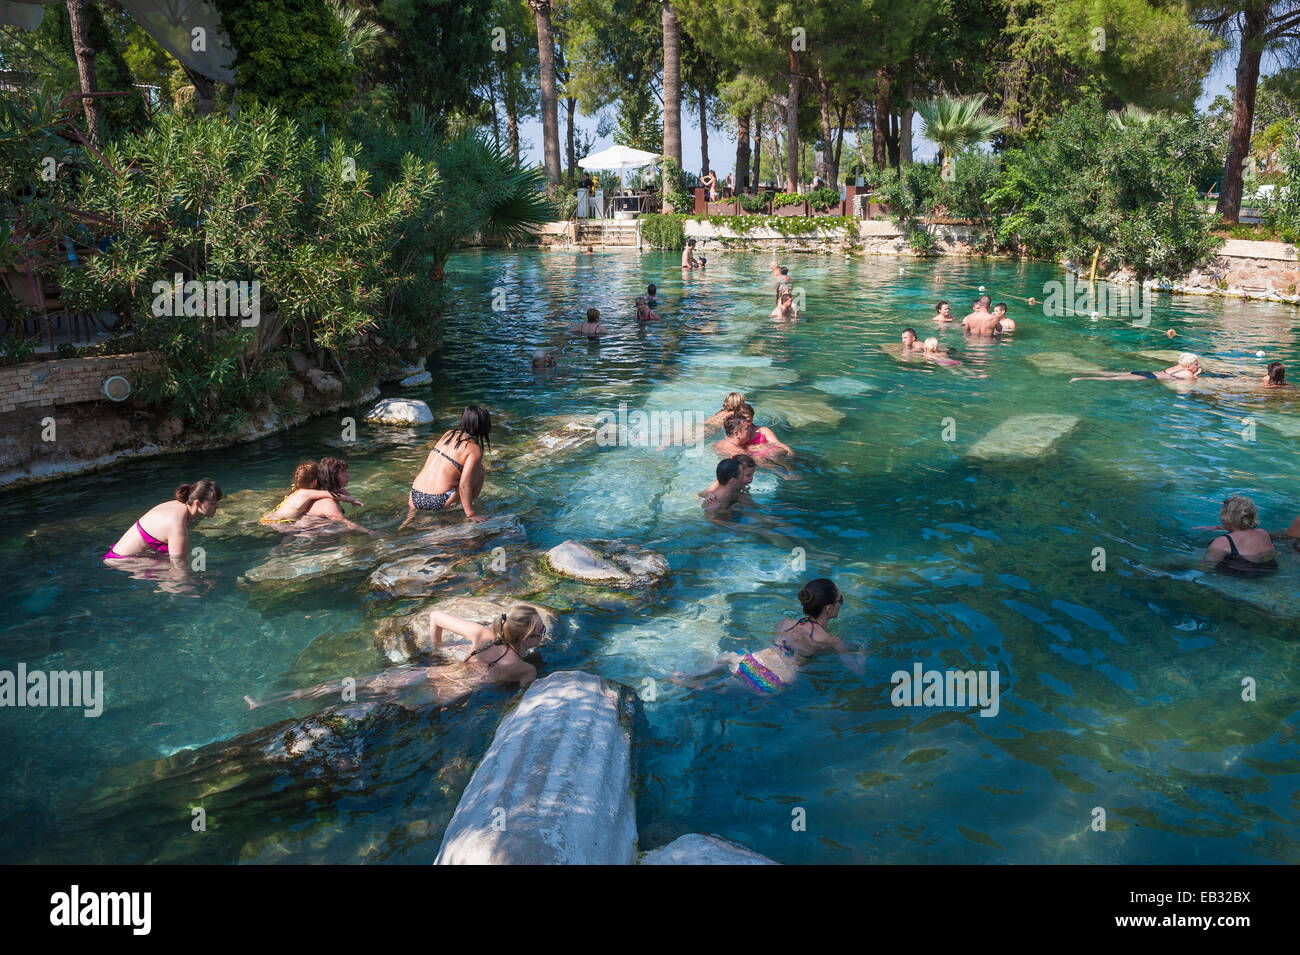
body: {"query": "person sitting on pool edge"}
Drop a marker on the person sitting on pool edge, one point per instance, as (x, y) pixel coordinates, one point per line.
(942, 313)
(1245, 550)
(776, 667)
(513, 634)
(644, 313)
(1187, 369)
(303, 493)
(453, 473)
(1000, 313)
(732, 477)
(591, 327)
(164, 531)
(743, 438)
(910, 341)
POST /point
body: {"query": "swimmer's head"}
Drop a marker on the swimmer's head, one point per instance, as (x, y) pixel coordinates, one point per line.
(306, 476)
(640, 300)
(520, 628)
(728, 470)
(650, 289)
(1276, 373)
(1187, 360)
(747, 466)
(333, 474)
(476, 424)
(543, 358)
(733, 402)
(784, 270)
(997, 328)
(745, 411)
(1239, 514)
(941, 308)
(909, 336)
(1000, 309)
(1171, 333)
(204, 494)
(819, 594)
(690, 243)
(593, 315)
(738, 426)
(984, 302)
(932, 344)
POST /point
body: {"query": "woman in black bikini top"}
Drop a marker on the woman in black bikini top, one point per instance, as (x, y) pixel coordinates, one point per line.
(437, 486)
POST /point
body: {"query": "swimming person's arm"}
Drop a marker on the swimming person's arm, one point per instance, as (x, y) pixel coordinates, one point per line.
(854, 658)
(1294, 529)
(474, 632)
(775, 442)
(1217, 550)
(178, 547)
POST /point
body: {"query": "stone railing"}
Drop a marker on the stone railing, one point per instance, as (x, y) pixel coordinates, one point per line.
(66, 381)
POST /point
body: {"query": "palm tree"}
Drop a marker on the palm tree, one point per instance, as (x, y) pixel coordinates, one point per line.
(359, 38)
(672, 88)
(550, 98)
(954, 123)
(1129, 117)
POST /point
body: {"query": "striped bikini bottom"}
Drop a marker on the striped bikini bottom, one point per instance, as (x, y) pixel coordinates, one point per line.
(758, 677)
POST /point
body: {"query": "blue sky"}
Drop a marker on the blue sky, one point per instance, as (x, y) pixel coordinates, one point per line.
(722, 149)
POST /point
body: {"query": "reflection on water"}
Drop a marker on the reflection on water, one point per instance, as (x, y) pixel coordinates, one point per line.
(1120, 688)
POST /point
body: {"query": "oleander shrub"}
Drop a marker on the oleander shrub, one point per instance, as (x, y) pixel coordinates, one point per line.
(665, 231)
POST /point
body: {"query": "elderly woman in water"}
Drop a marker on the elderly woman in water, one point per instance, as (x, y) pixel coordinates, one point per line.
(164, 531)
(774, 667)
(1187, 369)
(496, 656)
(1246, 550)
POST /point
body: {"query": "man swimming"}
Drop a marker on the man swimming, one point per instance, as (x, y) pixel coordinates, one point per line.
(688, 256)
(726, 488)
(1000, 313)
(910, 342)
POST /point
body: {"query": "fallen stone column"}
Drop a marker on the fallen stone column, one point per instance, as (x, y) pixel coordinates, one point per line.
(555, 787)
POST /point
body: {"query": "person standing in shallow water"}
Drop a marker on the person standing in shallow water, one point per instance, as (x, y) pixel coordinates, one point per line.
(164, 531)
(454, 472)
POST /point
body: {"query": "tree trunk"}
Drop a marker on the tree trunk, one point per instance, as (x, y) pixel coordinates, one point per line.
(85, 66)
(758, 147)
(496, 118)
(550, 99)
(834, 177)
(880, 123)
(895, 133)
(704, 133)
(905, 137)
(512, 131)
(742, 152)
(569, 104)
(1253, 27)
(672, 86)
(792, 122)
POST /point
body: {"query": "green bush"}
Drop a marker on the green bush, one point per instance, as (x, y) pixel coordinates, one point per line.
(15, 351)
(664, 231)
(756, 203)
(909, 192)
(1086, 185)
(782, 199)
(1280, 207)
(823, 198)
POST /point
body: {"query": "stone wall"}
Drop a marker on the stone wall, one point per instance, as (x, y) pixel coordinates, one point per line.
(64, 381)
(1245, 269)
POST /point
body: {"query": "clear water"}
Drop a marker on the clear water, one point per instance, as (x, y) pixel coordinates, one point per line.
(1121, 689)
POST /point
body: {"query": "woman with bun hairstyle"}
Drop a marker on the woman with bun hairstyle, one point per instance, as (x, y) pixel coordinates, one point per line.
(496, 656)
(164, 531)
(773, 668)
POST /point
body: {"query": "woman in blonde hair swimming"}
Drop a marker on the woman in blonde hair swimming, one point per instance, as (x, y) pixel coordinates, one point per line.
(1246, 550)
(496, 657)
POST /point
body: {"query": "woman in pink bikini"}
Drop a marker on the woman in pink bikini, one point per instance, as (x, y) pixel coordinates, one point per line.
(165, 530)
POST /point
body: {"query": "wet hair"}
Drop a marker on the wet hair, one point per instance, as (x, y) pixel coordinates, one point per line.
(593, 314)
(516, 625)
(728, 470)
(931, 344)
(817, 595)
(1276, 373)
(984, 300)
(541, 356)
(733, 402)
(734, 424)
(1239, 513)
(475, 425)
(330, 469)
(690, 242)
(650, 289)
(200, 492)
(939, 308)
(306, 475)
(1001, 305)
(909, 331)
(1186, 359)
(745, 411)
(784, 270)
(997, 328)
(640, 300)
(745, 460)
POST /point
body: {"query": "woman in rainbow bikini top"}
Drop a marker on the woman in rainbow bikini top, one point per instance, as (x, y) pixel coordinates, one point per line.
(164, 531)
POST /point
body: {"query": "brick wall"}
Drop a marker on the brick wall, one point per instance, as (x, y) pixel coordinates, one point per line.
(65, 381)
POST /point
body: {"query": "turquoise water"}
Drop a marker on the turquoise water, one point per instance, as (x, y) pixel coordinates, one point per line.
(1120, 689)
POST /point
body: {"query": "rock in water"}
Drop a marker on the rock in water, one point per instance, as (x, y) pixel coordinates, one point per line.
(696, 849)
(400, 411)
(401, 638)
(555, 786)
(800, 412)
(416, 380)
(1063, 363)
(606, 562)
(842, 387)
(413, 576)
(558, 436)
(1025, 436)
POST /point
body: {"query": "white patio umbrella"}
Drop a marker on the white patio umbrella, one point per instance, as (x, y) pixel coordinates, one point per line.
(620, 158)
